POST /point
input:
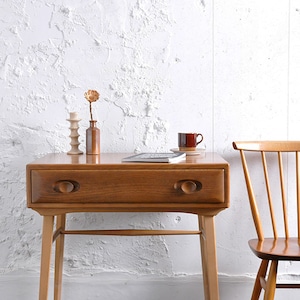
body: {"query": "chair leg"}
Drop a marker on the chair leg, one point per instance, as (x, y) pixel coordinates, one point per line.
(262, 271)
(271, 282)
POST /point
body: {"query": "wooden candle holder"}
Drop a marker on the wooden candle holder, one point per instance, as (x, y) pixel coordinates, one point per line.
(74, 120)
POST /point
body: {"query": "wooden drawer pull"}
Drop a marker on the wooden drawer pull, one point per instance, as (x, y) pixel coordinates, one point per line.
(188, 186)
(66, 186)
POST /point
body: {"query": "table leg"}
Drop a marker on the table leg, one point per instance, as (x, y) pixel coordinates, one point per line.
(209, 257)
(47, 239)
(59, 256)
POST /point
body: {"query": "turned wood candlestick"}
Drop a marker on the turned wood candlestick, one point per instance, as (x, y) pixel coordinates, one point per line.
(74, 120)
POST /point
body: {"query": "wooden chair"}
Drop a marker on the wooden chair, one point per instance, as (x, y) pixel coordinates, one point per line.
(278, 161)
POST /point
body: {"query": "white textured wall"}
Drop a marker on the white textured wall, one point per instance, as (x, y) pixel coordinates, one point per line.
(229, 69)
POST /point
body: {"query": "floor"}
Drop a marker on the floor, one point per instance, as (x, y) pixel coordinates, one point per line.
(24, 285)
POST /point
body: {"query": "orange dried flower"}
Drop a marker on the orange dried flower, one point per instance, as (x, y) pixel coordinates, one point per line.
(91, 96)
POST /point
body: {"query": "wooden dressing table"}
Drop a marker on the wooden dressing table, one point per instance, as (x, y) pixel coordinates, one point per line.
(58, 184)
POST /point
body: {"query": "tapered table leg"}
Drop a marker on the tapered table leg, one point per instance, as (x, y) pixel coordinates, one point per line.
(59, 256)
(209, 257)
(47, 239)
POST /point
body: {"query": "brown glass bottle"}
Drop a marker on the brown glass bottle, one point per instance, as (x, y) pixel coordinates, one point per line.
(93, 139)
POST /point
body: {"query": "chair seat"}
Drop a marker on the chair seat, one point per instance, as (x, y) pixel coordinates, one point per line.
(276, 249)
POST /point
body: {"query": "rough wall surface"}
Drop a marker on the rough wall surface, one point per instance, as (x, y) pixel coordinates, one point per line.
(228, 70)
(132, 52)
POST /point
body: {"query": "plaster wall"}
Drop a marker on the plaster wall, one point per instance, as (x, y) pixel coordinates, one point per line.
(227, 69)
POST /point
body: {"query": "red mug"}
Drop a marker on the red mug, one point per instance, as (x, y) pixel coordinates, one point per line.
(189, 141)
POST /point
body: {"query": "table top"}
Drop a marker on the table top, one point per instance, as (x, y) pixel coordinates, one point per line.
(53, 160)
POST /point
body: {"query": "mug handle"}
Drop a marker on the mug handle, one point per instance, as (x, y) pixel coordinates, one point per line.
(199, 134)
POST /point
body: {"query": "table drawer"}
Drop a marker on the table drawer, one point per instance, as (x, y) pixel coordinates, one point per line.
(129, 186)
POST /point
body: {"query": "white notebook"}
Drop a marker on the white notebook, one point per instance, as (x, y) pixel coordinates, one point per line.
(155, 157)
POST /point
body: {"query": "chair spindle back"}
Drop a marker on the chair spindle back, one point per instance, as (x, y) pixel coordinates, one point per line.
(264, 148)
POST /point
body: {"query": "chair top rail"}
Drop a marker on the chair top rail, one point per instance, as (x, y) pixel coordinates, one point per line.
(269, 146)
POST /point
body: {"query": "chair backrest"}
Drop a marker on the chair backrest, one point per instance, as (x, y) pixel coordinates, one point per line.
(278, 165)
